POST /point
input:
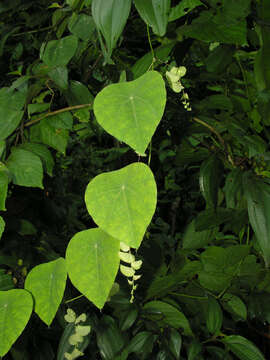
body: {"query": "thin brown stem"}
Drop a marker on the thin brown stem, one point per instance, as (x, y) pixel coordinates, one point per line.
(213, 130)
(52, 113)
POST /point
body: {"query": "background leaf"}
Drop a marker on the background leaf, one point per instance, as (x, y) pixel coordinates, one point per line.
(59, 52)
(242, 348)
(26, 168)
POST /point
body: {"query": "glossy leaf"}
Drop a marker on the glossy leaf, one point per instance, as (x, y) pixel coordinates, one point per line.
(257, 194)
(242, 348)
(155, 13)
(142, 343)
(209, 179)
(2, 226)
(94, 254)
(131, 111)
(169, 315)
(110, 339)
(47, 282)
(122, 202)
(110, 17)
(26, 168)
(15, 310)
(214, 316)
(233, 188)
(175, 343)
(59, 52)
(234, 305)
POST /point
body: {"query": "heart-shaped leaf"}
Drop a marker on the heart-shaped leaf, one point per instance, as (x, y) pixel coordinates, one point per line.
(47, 284)
(15, 310)
(122, 202)
(131, 111)
(92, 264)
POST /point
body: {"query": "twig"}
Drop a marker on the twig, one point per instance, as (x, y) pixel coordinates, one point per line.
(69, 108)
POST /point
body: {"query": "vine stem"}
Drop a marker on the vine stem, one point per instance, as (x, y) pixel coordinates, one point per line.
(151, 47)
(211, 129)
(33, 31)
(70, 300)
(221, 140)
(51, 113)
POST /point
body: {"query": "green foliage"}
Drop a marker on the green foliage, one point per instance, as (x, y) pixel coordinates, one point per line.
(179, 262)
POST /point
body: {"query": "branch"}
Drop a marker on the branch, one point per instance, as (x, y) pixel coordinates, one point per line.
(69, 108)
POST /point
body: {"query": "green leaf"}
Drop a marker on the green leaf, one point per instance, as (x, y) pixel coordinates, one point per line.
(59, 52)
(142, 343)
(194, 349)
(183, 8)
(233, 188)
(78, 94)
(219, 58)
(220, 266)
(11, 103)
(15, 310)
(169, 315)
(9, 121)
(214, 316)
(211, 27)
(209, 179)
(122, 202)
(110, 339)
(2, 226)
(46, 282)
(234, 305)
(47, 133)
(82, 26)
(175, 343)
(6, 282)
(257, 194)
(26, 168)
(59, 75)
(242, 348)
(43, 152)
(142, 65)
(193, 239)
(155, 13)
(92, 263)
(3, 188)
(131, 111)
(210, 218)
(127, 318)
(110, 17)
